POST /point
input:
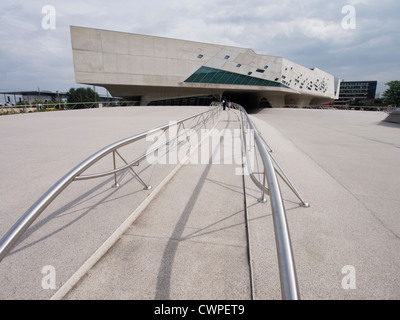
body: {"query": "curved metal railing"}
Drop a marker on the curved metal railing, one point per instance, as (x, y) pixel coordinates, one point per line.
(76, 174)
(270, 186)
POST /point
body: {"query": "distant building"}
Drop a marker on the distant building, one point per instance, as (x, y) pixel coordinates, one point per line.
(15, 97)
(356, 90)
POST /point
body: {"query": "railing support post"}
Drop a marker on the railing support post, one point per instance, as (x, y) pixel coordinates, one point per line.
(146, 187)
(115, 185)
(263, 198)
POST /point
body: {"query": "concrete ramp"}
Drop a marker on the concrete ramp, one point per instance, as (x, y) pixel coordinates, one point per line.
(394, 116)
(189, 243)
(205, 235)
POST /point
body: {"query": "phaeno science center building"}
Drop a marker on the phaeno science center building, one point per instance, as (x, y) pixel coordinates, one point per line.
(152, 69)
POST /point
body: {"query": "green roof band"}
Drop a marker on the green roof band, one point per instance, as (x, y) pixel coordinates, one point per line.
(211, 75)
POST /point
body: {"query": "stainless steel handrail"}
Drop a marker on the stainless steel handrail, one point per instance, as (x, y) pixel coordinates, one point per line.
(19, 228)
(279, 171)
(287, 270)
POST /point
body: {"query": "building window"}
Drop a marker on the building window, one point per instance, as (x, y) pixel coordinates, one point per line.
(211, 75)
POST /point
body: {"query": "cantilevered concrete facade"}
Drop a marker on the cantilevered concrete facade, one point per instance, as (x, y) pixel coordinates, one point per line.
(153, 69)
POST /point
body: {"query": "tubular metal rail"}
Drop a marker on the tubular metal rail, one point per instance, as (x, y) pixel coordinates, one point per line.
(287, 270)
(76, 174)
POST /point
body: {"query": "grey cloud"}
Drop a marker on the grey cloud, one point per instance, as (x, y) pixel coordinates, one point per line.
(307, 32)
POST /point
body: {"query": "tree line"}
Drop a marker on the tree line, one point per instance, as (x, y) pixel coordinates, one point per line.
(392, 94)
(82, 95)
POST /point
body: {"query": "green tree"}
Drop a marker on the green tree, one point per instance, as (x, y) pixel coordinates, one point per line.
(82, 95)
(392, 94)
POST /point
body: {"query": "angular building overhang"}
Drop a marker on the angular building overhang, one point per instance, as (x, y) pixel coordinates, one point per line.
(155, 68)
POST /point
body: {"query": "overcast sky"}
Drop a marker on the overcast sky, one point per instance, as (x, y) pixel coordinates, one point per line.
(309, 32)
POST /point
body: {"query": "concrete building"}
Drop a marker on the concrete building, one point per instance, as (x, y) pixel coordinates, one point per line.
(152, 69)
(14, 97)
(356, 91)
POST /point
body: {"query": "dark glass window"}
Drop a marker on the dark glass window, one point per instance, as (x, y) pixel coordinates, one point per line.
(224, 77)
(252, 81)
(232, 78)
(211, 75)
(243, 80)
(218, 77)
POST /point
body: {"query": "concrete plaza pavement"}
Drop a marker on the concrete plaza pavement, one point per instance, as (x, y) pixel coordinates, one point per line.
(37, 149)
(346, 165)
(191, 241)
(345, 245)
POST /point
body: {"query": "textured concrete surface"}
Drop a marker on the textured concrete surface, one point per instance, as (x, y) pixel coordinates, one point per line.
(346, 165)
(345, 244)
(36, 151)
(191, 241)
